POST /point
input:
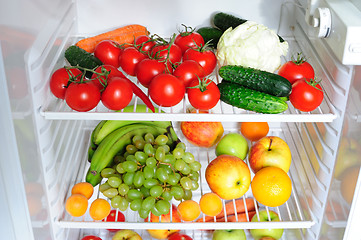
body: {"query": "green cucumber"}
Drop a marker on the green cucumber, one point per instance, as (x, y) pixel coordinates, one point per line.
(248, 99)
(211, 35)
(77, 56)
(255, 79)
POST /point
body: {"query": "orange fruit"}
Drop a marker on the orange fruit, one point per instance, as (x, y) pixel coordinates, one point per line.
(211, 204)
(83, 188)
(76, 205)
(99, 209)
(189, 210)
(348, 183)
(271, 186)
(254, 131)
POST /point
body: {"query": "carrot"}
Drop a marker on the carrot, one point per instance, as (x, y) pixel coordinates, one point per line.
(242, 217)
(121, 35)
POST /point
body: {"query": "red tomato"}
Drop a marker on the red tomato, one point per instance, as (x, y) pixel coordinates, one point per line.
(91, 237)
(166, 90)
(129, 59)
(144, 43)
(108, 52)
(179, 236)
(147, 69)
(306, 95)
(111, 218)
(189, 39)
(160, 52)
(118, 93)
(60, 78)
(206, 58)
(189, 70)
(203, 94)
(106, 72)
(82, 97)
(295, 70)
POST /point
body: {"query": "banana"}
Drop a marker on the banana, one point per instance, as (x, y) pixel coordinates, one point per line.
(114, 143)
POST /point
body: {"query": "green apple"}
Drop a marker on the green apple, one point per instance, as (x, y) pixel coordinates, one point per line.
(230, 234)
(258, 234)
(232, 144)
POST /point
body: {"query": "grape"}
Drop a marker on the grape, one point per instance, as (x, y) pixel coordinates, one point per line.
(169, 158)
(161, 174)
(195, 166)
(123, 189)
(173, 179)
(178, 153)
(179, 164)
(130, 166)
(166, 148)
(151, 162)
(143, 213)
(149, 138)
(194, 176)
(139, 144)
(149, 150)
(186, 170)
(120, 168)
(140, 156)
(161, 140)
(107, 172)
(104, 187)
(123, 204)
(137, 138)
(181, 145)
(116, 201)
(110, 193)
(131, 149)
(166, 167)
(177, 192)
(160, 154)
(131, 158)
(166, 195)
(162, 206)
(118, 159)
(188, 157)
(186, 183)
(134, 194)
(138, 179)
(136, 204)
(156, 191)
(148, 203)
(128, 178)
(148, 172)
(195, 185)
(148, 183)
(187, 194)
(155, 211)
(114, 181)
(145, 191)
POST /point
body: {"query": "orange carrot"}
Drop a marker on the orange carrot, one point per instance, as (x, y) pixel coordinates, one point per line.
(121, 35)
(241, 217)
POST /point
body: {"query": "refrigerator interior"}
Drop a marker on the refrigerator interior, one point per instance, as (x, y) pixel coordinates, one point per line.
(52, 140)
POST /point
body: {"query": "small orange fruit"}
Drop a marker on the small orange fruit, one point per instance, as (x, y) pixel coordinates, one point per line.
(99, 209)
(254, 131)
(271, 186)
(189, 210)
(76, 205)
(211, 204)
(83, 188)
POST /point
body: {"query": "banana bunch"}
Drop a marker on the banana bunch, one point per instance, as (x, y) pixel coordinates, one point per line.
(110, 137)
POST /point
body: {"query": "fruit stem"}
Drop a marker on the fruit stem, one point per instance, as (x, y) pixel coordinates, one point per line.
(270, 144)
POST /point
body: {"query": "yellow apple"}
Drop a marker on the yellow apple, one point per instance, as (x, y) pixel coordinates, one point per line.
(270, 151)
(126, 234)
(228, 176)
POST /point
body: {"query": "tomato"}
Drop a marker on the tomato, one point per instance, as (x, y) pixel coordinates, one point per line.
(106, 72)
(296, 69)
(129, 59)
(147, 69)
(306, 95)
(144, 43)
(166, 90)
(118, 93)
(108, 52)
(203, 94)
(160, 52)
(111, 218)
(60, 78)
(205, 57)
(189, 39)
(179, 236)
(82, 97)
(91, 237)
(189, 70)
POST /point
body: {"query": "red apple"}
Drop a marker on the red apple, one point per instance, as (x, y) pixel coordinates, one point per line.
(228, 176)
(164, 233)
(179, 236)
(202, 134)
(270, 151)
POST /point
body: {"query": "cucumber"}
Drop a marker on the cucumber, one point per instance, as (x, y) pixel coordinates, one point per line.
(248, 99)
(77, 56)
(211, 35)
(255, 79)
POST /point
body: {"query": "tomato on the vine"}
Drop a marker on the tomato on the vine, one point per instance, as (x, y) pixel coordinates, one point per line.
(108, 52)
(60, 79)
(189, 39)
(129, 59)
(112, 217)
(147, 69)
(103, 74)
(296, 69)
(166, 90)
(163, 51)
(91, 237)
(306, 95)
(179, 236)
(82, 96)
(203, 94)
(204, 56)
(189, 70)
(144, 43)
(118, 93)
